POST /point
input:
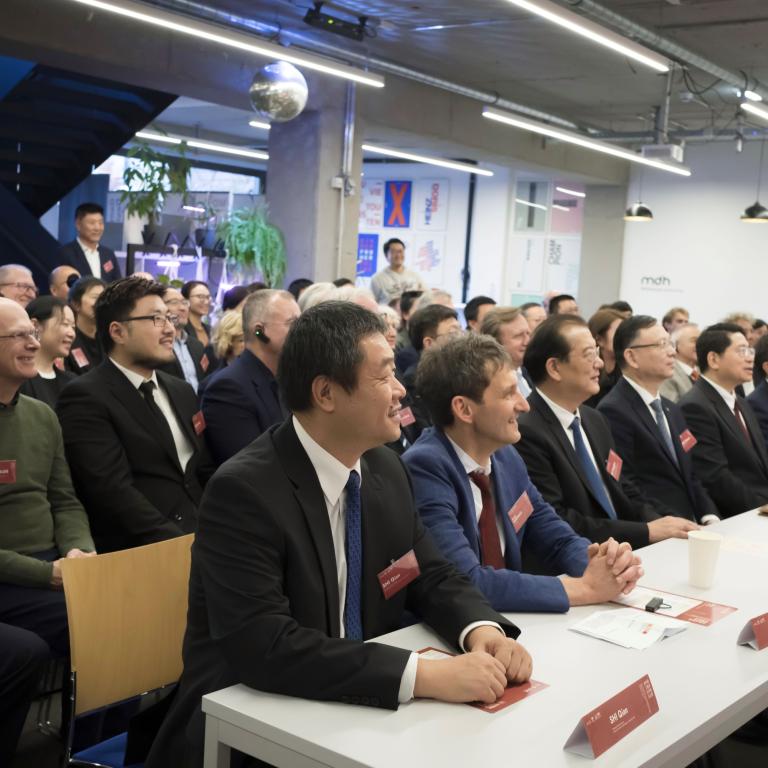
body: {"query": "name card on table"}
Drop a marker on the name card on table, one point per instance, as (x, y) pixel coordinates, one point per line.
(755, 633)
(616, 718)
(512, 694)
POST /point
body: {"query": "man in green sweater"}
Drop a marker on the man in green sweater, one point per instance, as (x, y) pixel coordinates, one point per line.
(41, 519)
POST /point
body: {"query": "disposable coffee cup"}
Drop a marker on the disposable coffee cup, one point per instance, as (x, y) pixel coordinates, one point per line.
(703, 549)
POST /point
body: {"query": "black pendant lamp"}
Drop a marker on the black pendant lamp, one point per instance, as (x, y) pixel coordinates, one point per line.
(638, 211)
(757, 213)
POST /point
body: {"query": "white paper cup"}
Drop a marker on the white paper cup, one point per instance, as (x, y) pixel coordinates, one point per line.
(703, 549)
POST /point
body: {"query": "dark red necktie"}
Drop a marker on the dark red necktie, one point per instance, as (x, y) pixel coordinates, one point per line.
(490, 544)
(742, 422)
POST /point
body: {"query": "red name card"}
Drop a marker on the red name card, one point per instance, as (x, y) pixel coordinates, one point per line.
(8, 471)
(616, 718)
(512, 694)
(755, 633)
(520, 511)
(614, 464)
(399, 574)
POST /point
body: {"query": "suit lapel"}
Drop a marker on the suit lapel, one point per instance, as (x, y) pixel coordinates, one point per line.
(501, 485)
(755, 432)
(184, 419)
(724, 413)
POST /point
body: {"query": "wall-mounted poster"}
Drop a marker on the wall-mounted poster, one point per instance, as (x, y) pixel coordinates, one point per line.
(430, 202)
(397, 204)
(371, 203)
(367, 250)
(427, 255)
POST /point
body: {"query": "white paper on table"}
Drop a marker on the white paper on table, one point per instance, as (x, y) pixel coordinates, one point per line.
(627, 628)
(640, 596)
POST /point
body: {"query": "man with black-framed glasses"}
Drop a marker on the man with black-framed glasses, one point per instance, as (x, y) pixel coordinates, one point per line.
(133, 434)
(16, 283)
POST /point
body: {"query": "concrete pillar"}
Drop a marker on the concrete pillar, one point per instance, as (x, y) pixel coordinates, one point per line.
(305, 156)
(602, 246)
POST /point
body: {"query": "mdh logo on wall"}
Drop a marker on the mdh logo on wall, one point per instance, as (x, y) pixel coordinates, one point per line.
(658, 283)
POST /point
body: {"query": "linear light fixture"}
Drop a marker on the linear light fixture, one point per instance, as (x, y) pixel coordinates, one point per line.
(259, 124)
(561, 207)
(753, 109)
(573, 192)
(530, 204)
(595, 32)
(580, 141)
(226, 149)
(452, 164)
(232, 39)
(752, 95)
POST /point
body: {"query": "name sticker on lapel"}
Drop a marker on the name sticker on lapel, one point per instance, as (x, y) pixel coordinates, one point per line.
(108, 266)
(198, 422)
(399, 575)
(406, 417)
(80, 357)
(520, 511)
(687, 440)
(204, 362)
(614, 464)
(8, 471)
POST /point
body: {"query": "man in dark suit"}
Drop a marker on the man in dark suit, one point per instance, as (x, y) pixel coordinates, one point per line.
(190, 362)
(650, 431)
(758, 398)
(297, 531)
(242, 400)
(568, 448)
(730, 455)
(475, 496)
(132, 434)
(85, 253)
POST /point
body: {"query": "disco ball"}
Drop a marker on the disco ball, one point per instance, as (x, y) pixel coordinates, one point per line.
(278, 92)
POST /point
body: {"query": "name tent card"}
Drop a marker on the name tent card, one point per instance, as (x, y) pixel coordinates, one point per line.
(616, 718)
(755, 633)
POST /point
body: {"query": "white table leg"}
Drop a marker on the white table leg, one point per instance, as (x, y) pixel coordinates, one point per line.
(216, 754)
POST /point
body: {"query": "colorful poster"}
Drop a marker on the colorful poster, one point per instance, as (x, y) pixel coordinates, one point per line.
(397, 204)
(431, 203)
(367, 249)
(427, 255)
(371, 203)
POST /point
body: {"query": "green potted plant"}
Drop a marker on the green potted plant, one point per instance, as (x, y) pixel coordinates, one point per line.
(254, 246)
(149, 180)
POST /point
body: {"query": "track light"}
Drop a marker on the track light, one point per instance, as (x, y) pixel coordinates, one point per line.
(574, 138)
(638, 212)
(577, 24)
(752, 96)
(452, 164)
(208, 146)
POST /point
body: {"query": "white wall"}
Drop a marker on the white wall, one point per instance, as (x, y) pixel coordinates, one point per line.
(697, 253)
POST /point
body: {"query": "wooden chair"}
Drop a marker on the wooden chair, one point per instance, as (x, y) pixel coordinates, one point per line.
(127, 615)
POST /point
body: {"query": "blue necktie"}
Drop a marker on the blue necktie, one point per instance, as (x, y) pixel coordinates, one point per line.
(590, 470)
(661, 423)
(353, 617)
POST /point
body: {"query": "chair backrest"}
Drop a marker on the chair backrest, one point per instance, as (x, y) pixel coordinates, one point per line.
(127, 615)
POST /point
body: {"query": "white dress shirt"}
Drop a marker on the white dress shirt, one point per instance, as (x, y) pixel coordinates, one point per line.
(184, 448)
(522, 385)
(92, 257)
(728, 397)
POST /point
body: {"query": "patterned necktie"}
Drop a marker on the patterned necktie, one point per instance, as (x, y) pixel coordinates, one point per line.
(490, 544)
(353, 617)
(590, 470)
(661, 425)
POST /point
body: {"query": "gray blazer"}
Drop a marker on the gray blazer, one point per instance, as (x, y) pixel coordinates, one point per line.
(677, 386)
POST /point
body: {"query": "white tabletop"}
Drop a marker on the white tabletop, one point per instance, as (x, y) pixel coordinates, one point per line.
(706, 685)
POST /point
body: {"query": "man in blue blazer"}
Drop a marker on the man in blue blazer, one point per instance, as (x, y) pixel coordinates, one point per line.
(474, 494)
(241, 401)
(86, 253)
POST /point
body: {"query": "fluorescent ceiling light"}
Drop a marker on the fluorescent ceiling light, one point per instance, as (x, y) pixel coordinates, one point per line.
(573, 192)
(232, 39)
(580, 141)
(258, 124)
(226, 149)
(193, 208)
(455, 166)
(594, 32)
(530, 204)
(561, 207)
(752, 96)
(754, 110)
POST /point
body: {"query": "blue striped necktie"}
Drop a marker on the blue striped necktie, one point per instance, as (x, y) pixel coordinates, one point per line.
(353, 617)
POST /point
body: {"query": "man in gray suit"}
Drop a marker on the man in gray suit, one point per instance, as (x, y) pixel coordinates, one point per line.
(684, 340)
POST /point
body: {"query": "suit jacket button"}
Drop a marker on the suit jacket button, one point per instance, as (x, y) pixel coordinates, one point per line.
(177, 518)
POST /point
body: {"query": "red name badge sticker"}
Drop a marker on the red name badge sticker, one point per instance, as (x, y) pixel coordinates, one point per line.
(108, 266)
(399, 575)
(80, 357)
(204, 362)
(603, 727)
(520, 511)
(406, 417)
(755, 633)
(198, 422)
(8, 471)
(687, 440)
(614, 464)
(59, 363)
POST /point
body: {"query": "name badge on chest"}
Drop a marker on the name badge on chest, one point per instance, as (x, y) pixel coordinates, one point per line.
(399, 574)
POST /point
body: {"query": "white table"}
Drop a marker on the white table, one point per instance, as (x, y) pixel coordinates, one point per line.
(707, 686)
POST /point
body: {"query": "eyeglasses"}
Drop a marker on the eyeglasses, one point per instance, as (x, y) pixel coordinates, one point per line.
(158, 320)
(662, 344)
(744, 351)
(203, 296)
(26, 287)
(591, 354)
(23, 335)
(183, 302)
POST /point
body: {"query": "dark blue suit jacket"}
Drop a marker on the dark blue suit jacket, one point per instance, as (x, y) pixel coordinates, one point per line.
(239, 403)
(671, 490)
(444, 500)
(759, 402)
(73, 254)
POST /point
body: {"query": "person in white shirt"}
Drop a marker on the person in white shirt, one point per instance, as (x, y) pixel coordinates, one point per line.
(86, 253)
(389, 283)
